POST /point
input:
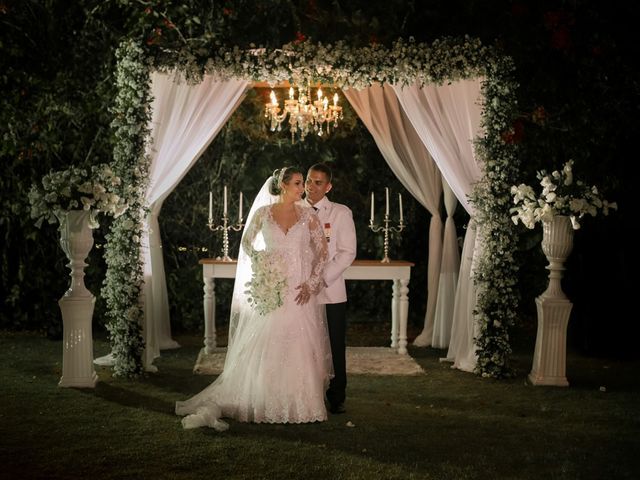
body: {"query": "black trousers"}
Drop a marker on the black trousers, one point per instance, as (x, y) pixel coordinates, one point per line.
(337, 322)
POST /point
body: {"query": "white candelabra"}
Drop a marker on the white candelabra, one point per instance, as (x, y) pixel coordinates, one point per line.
(386, 221)
(225, 226)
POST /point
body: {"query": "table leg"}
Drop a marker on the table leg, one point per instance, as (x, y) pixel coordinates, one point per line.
(394, 314)
(403, 313)
(209, 315)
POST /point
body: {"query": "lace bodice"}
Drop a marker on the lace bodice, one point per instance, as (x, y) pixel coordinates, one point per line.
(303, 246)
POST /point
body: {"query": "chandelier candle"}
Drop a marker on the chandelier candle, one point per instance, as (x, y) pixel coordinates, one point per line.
(305, 115)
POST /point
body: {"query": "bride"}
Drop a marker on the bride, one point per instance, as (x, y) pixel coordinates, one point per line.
(278, 361)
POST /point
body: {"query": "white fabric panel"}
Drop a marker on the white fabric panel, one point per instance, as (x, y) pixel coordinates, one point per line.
(449, 268)
(185, 120)
(462, 349)
(447, 119)
(402, 148)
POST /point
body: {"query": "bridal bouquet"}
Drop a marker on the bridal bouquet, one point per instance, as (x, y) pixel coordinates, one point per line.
(561, 195)
(77, 189)
(268, 282)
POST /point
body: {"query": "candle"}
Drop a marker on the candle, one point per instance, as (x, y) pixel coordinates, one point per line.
(225, 201)
(372, 207)
(240, 213)
(400, 203)
(335, 99)
(274, 100)
(386, 208)
(210, 206)
(319, 94)
(290, 93)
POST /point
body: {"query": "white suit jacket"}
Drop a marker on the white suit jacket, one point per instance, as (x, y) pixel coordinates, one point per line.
(337, 221)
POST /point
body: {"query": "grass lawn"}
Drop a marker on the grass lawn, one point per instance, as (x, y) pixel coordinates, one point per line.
(445, 424)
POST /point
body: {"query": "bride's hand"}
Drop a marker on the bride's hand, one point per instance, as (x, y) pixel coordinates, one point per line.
(304, 295)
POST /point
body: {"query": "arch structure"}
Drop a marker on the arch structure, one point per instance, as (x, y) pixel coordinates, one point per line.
(441, 115)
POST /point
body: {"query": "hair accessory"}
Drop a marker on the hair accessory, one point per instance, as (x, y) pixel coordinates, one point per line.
(281, 176)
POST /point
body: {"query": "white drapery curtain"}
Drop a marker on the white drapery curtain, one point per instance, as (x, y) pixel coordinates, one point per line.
(449, 267)
(447, 120)
(378, 108)
(185, 119)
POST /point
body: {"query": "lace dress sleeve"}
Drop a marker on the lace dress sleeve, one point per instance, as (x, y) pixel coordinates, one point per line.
(252, 232)
(319, 253)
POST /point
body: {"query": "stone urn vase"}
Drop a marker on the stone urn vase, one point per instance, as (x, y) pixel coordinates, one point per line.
(76, 305)
(553, 306)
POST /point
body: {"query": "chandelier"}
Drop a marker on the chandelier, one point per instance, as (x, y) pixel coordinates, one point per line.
(304, 116)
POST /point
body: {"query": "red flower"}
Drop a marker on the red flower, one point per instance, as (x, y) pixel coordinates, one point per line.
(515, 134)
(227, 11)
(155, 36)
(300, 37)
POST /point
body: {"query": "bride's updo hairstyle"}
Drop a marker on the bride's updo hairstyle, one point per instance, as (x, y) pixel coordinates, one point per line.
(282, 175)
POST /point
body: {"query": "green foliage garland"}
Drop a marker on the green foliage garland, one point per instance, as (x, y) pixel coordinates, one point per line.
(404, 63)
(496, 268)
(124, 279)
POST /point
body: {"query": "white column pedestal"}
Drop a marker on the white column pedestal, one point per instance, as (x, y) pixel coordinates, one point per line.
(76, 240)
(550, 355)
(77, 347)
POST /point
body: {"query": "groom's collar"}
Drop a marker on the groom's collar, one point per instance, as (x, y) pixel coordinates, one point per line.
(323, 203)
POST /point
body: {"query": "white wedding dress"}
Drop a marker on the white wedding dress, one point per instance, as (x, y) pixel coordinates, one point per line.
(278, 365)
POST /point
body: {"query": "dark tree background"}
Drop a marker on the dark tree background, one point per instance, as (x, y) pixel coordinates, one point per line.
(578, 99)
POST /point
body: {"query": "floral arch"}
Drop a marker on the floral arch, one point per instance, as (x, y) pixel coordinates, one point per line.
(405, 63)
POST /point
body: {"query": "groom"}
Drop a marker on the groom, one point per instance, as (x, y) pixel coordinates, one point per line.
(340, 232)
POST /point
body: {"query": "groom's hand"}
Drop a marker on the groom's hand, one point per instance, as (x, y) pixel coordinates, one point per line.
(303, 295)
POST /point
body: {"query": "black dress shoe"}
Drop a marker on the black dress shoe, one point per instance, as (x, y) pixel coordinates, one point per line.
(337, 408)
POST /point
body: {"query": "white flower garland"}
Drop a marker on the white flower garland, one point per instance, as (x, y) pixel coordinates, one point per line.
(496, 270)
(124, 279)
(406, 62)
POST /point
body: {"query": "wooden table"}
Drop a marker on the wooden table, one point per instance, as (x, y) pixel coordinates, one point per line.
(398, 271)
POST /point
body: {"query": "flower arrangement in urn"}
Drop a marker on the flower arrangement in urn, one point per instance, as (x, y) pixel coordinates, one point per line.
(77, 188)
(561, 195)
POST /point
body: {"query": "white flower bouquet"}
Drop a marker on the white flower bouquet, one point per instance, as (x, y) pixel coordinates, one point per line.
(77, 189)
(561, 195)
(266, 289)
